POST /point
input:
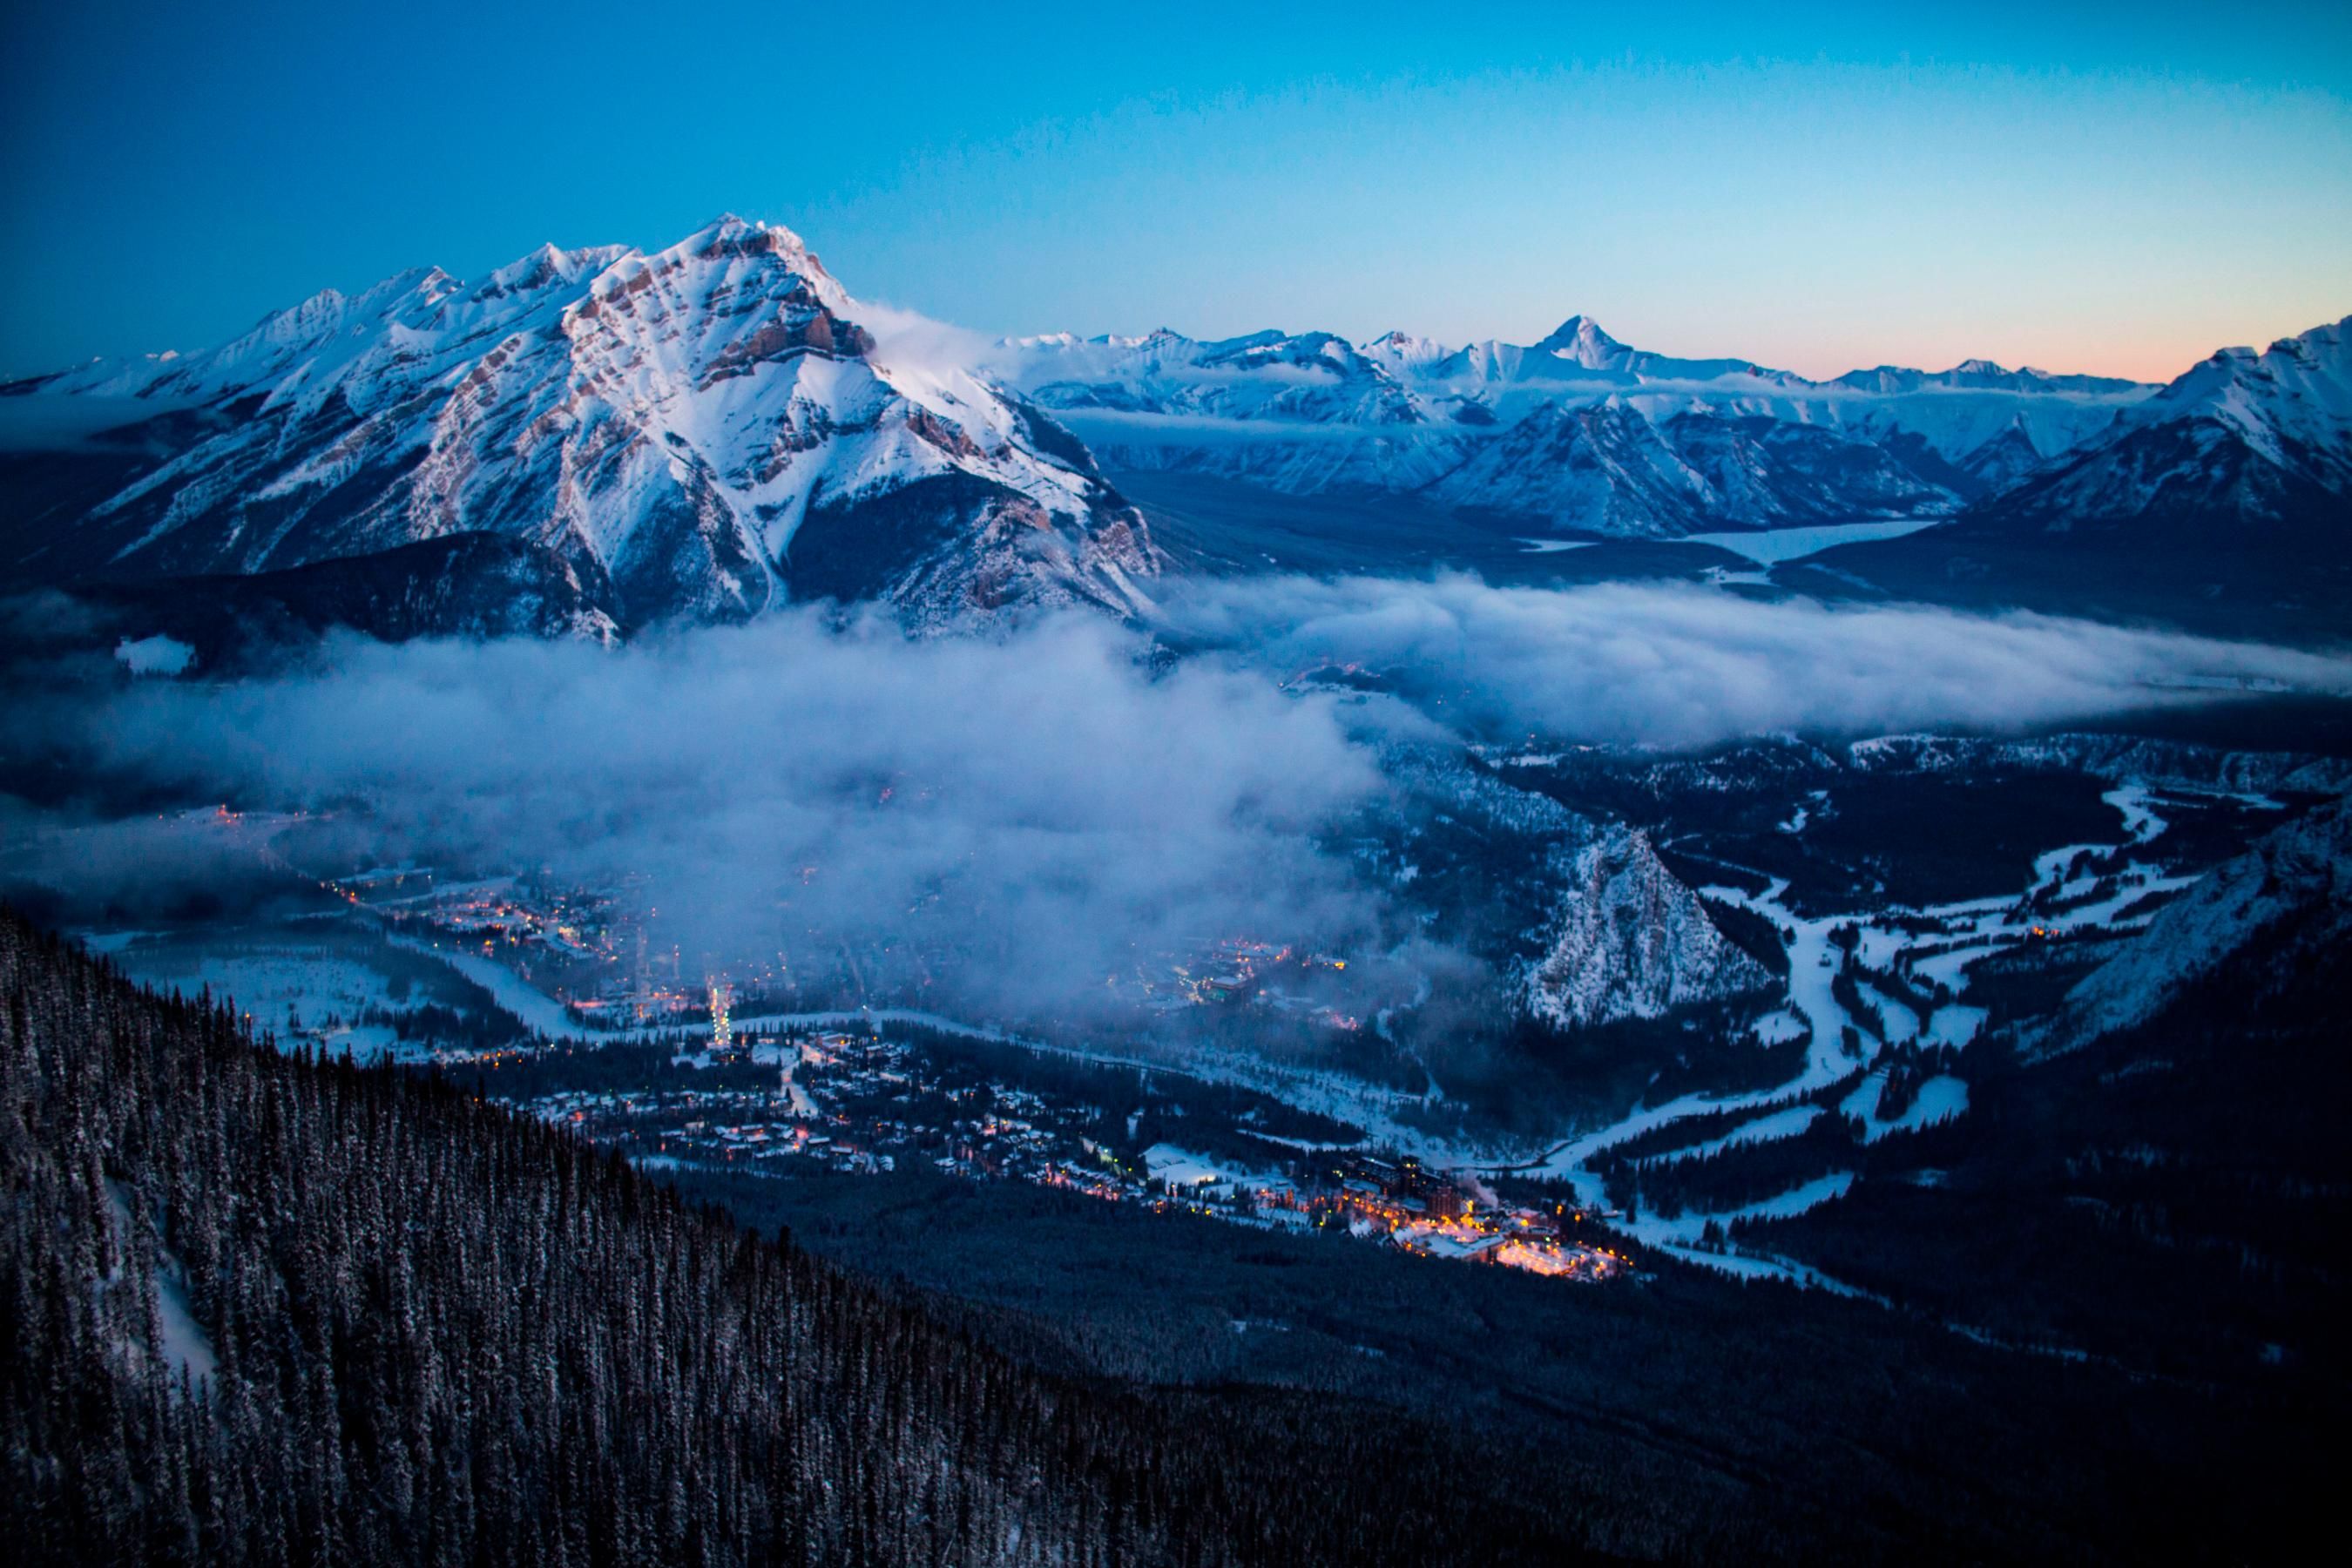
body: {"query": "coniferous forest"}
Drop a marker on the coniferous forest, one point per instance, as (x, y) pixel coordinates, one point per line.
(258, 1307)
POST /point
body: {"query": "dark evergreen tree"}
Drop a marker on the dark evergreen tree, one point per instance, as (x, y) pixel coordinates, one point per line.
(275, 1308)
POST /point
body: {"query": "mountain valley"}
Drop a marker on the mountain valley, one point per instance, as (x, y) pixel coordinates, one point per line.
(1146, 950)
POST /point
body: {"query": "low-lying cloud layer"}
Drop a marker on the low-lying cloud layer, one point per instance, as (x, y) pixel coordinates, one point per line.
(1018, 816)
(1036, 802)
(1679, 666)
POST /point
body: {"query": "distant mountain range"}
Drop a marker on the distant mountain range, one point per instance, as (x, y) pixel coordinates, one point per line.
(2242, 437)
(1580, 434)
(707, 431)
(1575, 434)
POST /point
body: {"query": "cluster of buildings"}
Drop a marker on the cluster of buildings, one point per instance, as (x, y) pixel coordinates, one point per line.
(1401, 1204)
(854, 1103)
(591, 951)
(862, 1103)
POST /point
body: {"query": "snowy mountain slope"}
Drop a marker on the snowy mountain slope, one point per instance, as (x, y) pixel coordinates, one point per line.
(2218, 503)
(1553, 433)
(2162, 765)
(2006, 458)
(1982, 375)
(1629, 941)
(2292, 403)
(1302, 413)
(2241, 437)
(1609, 469)
(703, 431)
(2296, 883)
(1600, 468)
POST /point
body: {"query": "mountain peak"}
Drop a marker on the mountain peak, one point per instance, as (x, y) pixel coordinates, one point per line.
(547, 266)
(730, 235)
(730, 225)
(1581, 339)
(1406, 348)
(707, 432)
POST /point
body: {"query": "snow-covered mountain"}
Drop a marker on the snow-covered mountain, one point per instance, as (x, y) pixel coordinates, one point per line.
(2221, 501)
(1629, 941)
(1576, 432)
(698, 432)
(1301, 414)
(1608, 468)
(710, 430)
(2242, 437)
(2006, 458)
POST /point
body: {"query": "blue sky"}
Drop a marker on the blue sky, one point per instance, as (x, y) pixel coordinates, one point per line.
(2098, 186)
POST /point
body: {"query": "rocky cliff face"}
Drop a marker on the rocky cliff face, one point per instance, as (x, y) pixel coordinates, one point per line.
(1629, 941)
(702, 433)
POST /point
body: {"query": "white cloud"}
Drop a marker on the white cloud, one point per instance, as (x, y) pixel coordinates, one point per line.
(1031, 810)
(1676, 666)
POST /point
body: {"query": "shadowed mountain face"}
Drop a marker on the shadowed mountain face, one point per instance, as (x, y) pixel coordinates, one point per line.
(471, 585)
(664, 426)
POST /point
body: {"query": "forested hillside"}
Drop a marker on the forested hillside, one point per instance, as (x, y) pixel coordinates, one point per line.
(261, 1307)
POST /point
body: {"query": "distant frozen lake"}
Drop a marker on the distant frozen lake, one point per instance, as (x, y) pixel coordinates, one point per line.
(1788, 544)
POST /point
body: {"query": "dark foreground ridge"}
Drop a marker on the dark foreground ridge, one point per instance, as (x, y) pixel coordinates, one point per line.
(262, 1308)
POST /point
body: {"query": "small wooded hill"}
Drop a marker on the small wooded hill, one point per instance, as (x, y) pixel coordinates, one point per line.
(259, 1308)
